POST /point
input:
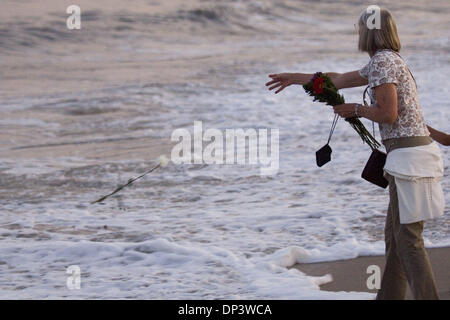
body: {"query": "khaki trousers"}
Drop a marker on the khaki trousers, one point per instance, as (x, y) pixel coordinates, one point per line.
(406, 258)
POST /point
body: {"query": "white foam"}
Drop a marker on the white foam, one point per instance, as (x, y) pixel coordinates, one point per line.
(168, 269)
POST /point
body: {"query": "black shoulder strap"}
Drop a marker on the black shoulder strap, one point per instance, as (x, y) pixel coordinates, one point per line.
(364, 96)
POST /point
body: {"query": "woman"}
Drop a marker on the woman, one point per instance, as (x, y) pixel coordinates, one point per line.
(414, 164)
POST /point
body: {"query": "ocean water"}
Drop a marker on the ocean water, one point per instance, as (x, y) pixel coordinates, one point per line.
(195, 231)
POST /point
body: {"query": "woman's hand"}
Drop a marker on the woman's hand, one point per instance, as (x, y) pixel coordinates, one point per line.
(281, 80)
(346, 110)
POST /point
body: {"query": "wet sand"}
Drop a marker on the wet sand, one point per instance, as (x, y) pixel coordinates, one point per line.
(350, 275)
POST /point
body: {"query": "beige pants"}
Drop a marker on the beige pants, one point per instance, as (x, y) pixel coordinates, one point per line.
(406, 258)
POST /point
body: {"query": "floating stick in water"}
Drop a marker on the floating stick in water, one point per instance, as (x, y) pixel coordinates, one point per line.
(163, 161)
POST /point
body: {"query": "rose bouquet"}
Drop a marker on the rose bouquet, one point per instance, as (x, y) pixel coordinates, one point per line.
(323, 90)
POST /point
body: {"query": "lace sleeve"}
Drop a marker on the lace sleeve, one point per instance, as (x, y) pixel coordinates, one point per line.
(383, 69)
(364, 72)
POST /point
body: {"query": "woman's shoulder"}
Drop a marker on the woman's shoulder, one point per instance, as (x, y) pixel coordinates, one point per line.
(386, 58)
(385, 67)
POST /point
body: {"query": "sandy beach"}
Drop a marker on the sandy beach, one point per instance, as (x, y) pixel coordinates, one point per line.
(351, 275)
(82, 111)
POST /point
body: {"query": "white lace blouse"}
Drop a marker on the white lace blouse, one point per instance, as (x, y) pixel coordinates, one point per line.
(386, 66)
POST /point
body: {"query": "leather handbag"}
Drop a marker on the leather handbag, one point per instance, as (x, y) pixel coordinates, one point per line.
(373, 170)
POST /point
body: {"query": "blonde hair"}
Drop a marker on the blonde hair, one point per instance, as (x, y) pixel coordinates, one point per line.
(371, 40)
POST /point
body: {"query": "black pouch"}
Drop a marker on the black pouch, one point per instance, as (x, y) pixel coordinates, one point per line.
(373, 171)
(323, 155)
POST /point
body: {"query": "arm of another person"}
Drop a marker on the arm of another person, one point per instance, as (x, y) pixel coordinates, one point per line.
(441, 137)
(341, 80)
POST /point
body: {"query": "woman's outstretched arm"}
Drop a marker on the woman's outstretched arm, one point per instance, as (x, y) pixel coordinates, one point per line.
(348, 79)
(441, 137)
(340, 80)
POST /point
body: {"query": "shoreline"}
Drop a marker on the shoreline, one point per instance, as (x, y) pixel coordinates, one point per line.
(350, 274)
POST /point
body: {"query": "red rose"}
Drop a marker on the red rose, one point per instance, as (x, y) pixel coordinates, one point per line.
(318, 85)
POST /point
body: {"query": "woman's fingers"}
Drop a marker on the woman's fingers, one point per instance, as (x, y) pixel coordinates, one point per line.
(282, 87)
(271, 82)
(278, 80)
(275, 86)
(276, 77)
(345, 110)
(338, 109)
